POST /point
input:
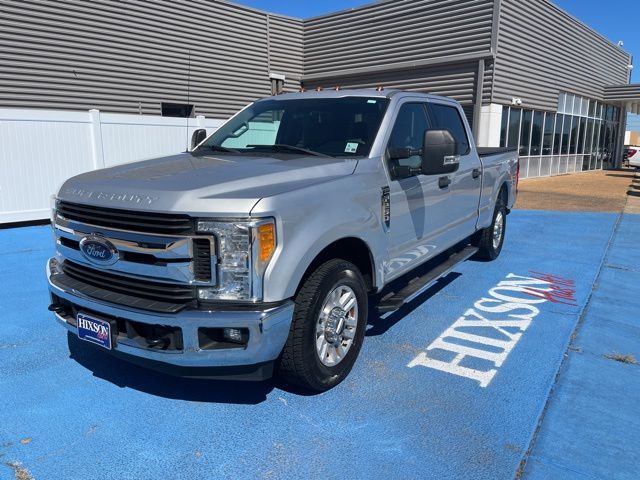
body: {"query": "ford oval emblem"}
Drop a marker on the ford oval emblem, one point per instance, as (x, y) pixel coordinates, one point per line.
(99, 250)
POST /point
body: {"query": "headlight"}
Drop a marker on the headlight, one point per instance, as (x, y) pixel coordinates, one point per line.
(244, 249)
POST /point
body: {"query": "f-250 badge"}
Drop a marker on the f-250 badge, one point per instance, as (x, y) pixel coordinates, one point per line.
(386, 206)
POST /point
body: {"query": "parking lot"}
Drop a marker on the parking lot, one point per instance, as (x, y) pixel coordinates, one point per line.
(496, 335)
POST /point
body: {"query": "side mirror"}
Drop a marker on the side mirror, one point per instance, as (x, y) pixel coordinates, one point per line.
(402, 153)
(197, 137)
(404, 171)
(440, 153)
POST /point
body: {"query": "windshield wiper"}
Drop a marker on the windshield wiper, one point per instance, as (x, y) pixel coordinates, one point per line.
(220, 148)
(291, 148)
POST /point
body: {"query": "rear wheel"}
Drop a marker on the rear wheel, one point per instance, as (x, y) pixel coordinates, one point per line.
(490, 240)
(328, 327)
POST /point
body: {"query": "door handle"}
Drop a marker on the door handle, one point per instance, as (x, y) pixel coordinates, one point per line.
(444, 182)
(476, 173)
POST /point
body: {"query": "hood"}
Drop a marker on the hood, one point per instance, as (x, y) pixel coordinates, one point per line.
(201, 184)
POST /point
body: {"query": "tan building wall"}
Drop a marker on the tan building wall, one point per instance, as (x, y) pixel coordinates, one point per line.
(632, 138)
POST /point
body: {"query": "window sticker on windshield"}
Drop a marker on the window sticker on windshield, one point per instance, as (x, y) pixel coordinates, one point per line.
(351, 147)
(372, 101)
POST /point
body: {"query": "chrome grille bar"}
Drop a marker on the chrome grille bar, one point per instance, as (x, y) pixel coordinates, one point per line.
(187, 259)
(144, 222)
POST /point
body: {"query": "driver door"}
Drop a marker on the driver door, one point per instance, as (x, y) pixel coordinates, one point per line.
(418, 204)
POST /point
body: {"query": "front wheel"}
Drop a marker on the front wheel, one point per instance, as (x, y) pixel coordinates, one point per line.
(490, 240)
(328, 327)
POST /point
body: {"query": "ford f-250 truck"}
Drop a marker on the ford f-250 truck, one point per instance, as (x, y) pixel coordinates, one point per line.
(262, 246)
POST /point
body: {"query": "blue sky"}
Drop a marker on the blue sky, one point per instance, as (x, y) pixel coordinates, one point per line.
(615, 19)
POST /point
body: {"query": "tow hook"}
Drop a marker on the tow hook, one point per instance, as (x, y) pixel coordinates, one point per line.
(162, 342)
(56, 308)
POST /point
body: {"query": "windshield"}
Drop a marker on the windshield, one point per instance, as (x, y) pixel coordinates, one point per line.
(335, 127)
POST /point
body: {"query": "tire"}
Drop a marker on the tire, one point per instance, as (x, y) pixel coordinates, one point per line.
(316, 322)
(488, 244)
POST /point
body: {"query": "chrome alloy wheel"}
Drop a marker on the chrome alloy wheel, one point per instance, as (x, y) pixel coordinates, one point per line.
(336, 326)
(498, 230)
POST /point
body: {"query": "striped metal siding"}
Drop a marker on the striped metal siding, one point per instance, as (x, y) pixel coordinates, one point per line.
(542, 50)
(395, 33)
(487, 86)
(456, 81)
(285, 50)
(130, 56)
(627, 95)
(621, 93)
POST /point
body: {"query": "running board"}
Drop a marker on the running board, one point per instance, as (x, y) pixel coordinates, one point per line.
(394, 300)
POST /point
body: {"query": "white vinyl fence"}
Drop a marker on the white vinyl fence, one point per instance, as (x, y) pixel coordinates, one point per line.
(40, 149)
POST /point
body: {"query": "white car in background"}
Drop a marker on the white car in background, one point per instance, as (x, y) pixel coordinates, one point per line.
(633, 156)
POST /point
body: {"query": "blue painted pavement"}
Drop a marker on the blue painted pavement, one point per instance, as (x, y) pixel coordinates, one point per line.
(71, 411)
(592, 426)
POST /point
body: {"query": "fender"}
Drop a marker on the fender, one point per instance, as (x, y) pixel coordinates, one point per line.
(311, 219)
(495, 177)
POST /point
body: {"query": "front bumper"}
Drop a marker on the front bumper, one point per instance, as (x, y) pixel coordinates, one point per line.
(268, 331)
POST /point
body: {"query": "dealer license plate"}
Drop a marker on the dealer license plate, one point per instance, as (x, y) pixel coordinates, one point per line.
(94, 330)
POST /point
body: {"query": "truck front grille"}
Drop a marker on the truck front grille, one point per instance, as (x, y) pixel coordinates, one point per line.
(144, 222)
(133, 292)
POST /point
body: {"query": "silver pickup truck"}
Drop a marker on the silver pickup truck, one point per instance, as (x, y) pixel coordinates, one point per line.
(265, 244)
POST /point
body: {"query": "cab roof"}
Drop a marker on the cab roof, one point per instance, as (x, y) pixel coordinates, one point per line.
(356, 92)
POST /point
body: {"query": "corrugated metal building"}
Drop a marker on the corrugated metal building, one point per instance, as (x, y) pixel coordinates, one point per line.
(527, 73)
(132, 56)
(435, 46)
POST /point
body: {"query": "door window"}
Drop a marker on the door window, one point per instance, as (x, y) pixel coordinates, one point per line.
(408, 132)
(446, 117)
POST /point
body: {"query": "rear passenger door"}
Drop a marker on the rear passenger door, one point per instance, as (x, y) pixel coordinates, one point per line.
(466, 182)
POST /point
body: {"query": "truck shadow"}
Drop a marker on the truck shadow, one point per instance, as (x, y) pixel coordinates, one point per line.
(621, 175)
(380, 324)
(126, 375)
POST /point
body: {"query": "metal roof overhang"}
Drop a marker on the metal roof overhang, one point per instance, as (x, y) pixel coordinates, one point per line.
(624, 95)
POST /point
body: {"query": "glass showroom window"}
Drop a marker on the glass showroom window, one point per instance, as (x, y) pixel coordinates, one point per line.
(581, 136)
(525, 133)
(557, 143)
(588, 140)
(548, 137)
(536, 133)
(513, 134)
(504, 127)
(573, 139)
(581, 132)
(566, 134)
